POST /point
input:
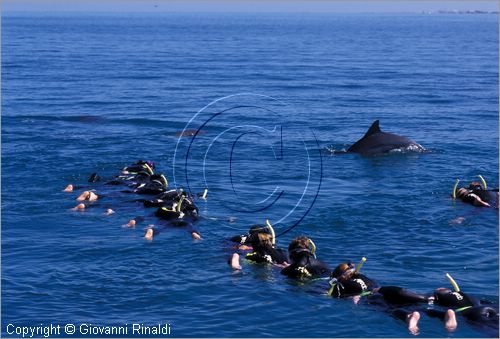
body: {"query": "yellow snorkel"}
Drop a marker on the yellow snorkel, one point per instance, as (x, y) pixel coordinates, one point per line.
(271, 229)
(313, 248)
(453, 283)
(454, 193)
(146, 166)
(360, 264)
(178, 207)
(165, 181)
(332, 286)
(483, 181)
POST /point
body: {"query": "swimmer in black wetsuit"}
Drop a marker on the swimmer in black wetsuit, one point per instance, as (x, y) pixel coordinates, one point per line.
(457, 302)
(476, 194)
(347, 281)
(157, 184)
(140, 165)
(262, 240)
(179, 205)
(243, 240)
(303, 262)
(444, 304)
(164, 199)
(264, 250)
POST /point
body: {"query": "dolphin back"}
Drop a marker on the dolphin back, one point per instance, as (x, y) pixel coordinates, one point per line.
(377, 142)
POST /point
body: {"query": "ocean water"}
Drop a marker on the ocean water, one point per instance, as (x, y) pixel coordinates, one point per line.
(270, 95)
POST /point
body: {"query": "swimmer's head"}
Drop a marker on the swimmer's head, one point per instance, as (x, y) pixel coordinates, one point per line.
(299, 247)
(150, 163)
(260, 240)
(476, 186)
(255, 229)
(343, 271)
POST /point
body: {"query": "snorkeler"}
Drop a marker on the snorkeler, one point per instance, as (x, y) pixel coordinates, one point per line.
(347, 281)
(262, 240)
(157, 184)
(458, 302)
(303, 262)
(477, 194)
(181, 207)
(138, 166)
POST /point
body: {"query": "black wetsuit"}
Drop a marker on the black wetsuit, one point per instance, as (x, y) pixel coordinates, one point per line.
(488, 196)
(304, 265)
(464, 304)
(139, 166)
(355, 285)
(164, 199)
(188, 209)
(266, 253)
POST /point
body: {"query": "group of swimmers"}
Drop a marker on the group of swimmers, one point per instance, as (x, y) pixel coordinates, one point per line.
(346, 280)
(177, 207)
(300, 262)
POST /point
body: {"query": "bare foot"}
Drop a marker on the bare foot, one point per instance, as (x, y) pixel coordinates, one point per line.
(83, 196)
(130, 224)
(149, 234)
(109, 211)
(92, 196)
(195, 235)
(412, 321)
(450, 321)
(235, 261)
(68, 188)
(79, 207)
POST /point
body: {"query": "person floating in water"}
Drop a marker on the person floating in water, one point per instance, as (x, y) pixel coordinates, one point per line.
(303, 262)
(347, 281)
(177, 205)
(262, 240)
(476, 194)
(457, 302)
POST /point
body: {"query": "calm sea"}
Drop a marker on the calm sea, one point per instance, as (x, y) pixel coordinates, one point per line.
(92, 93)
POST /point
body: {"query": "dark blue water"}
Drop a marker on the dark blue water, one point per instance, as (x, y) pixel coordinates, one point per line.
(92, 93)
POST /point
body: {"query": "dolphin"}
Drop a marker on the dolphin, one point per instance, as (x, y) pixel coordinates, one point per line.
(376, 142)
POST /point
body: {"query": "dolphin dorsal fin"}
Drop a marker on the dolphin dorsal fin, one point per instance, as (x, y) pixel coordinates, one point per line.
(374, 128)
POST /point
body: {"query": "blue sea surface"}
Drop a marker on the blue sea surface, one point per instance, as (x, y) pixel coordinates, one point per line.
(84, 93)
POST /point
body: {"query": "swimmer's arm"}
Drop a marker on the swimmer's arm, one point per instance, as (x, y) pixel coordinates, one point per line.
(479, 202)
(281, 265)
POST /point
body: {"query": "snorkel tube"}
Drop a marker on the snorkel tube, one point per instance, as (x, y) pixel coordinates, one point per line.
(178, 207)
(204, 196)
(483, 181)
(271, 229)
(360, 264)
(146, 166)
(333, 282)
(453, 283)
(313, 248)
(165, 181)
(454, 193)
